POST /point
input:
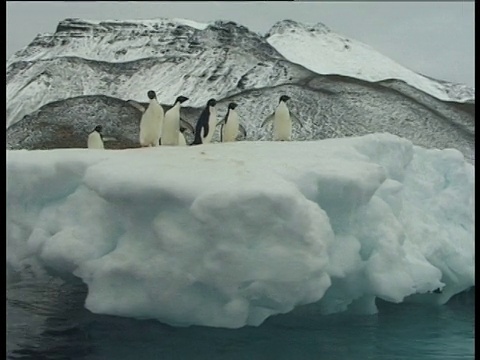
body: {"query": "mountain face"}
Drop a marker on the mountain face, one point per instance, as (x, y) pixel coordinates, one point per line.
(325, 52)
(63, 84)
(223, 60)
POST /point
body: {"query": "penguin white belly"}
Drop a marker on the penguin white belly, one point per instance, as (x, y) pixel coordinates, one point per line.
(151, 125)
(181, 139)
(282, 125)
(159, 115)
(212, 122)
(230, 129)
(171, 127)
(95, 141)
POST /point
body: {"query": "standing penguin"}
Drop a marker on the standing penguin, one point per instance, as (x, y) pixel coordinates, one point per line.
(151, 122)
(206, 124)
(171, 123)
(282, 120)
(95, 138)
(230, 125)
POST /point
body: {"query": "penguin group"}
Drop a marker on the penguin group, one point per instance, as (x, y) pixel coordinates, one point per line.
(167, 128)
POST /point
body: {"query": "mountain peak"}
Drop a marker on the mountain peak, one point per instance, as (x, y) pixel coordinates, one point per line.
(76, 24)
(323, 51)
(292, 26)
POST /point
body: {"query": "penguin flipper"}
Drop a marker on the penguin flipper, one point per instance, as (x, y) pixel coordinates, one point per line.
(242, 130)
(268, 119)
(136, 105)
(187, 125)
(109, 138)
(206, 129)
(296, 119)
(224, 121)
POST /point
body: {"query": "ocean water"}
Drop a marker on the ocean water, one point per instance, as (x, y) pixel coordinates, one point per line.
(46, 320)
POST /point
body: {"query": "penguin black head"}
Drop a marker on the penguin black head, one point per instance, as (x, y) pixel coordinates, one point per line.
(232, 105)
(284, 98)
(212, 102)
(98, 128)
(151, 95)
(181, 99)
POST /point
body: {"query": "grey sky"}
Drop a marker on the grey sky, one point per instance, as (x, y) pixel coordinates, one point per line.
(433, 38)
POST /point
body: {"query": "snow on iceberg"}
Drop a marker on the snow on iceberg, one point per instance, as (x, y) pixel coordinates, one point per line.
(227, 235)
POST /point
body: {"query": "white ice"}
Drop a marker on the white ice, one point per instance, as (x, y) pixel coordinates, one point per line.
(226, 235)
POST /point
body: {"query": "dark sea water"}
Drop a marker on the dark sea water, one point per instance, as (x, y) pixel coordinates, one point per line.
(47, 320)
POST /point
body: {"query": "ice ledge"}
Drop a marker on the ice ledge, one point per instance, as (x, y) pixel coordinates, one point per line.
(227, 235)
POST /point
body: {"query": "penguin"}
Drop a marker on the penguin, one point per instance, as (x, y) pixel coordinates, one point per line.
(282, 120)
(230, 125)
(95, 138)
(171, 123)
(206, 124)
(151, 122)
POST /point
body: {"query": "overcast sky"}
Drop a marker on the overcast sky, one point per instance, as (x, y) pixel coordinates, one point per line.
(433, 38)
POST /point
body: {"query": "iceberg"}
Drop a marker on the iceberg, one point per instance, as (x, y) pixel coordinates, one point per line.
(230, 234)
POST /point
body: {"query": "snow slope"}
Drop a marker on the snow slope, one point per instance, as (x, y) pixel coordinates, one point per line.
(325, 52)
(219, 73)
(226, 235)
(124, 41)
(109, 40)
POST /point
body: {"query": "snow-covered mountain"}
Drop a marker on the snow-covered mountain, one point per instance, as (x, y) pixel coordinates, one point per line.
(63, 84)
(124, 59)
(315, 47)
(325, 52)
